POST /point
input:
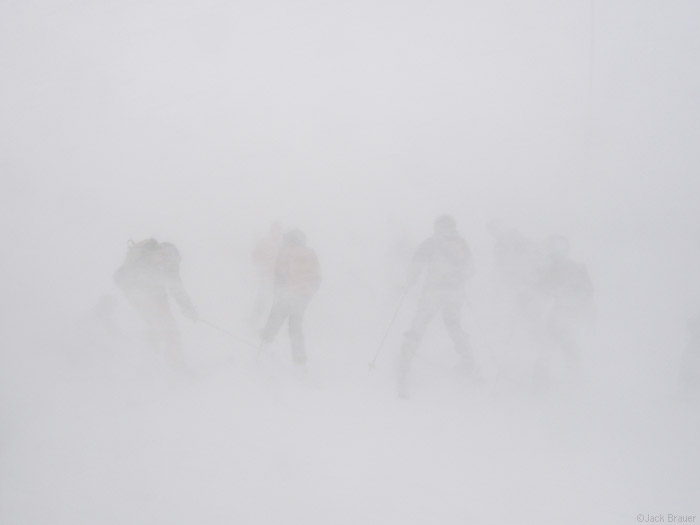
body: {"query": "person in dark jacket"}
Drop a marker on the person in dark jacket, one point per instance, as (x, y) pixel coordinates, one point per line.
(150, 275)
(566, 296)
(445, 262)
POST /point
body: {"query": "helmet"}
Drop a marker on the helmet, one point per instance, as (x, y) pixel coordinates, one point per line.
(444, 224)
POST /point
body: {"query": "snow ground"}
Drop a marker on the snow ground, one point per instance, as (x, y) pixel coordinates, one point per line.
(117, 438)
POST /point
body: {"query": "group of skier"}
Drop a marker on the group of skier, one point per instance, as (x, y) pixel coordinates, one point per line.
(548, 297)
(546, 288)
(150, 273)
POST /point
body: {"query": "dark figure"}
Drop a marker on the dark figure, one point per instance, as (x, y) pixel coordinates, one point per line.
(446, 263)
(566, 293)
(149, 274)
(297, 278)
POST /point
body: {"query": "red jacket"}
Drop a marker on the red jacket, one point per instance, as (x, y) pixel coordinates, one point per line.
(297, 271)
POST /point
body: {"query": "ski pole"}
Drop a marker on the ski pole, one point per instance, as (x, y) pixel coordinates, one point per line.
(230, 334)
(381, 345)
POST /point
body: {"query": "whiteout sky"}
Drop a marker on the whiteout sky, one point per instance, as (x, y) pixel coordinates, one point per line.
(200, 123)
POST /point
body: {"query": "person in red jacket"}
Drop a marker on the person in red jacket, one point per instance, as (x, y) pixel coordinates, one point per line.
(297, 278)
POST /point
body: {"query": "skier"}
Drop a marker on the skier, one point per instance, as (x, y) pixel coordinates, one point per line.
(148, 275)
(264, 256)
(446, 262)
(297, 279)
(566, 297)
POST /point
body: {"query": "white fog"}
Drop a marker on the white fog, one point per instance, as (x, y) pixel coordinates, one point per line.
(349, 262)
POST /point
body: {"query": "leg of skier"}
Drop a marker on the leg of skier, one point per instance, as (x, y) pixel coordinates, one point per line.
(451, 309)
(168, 334)
(427, 308)
(280, 311)
(263, 297)
(296, 335)
(565, 336)
(154, 309)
